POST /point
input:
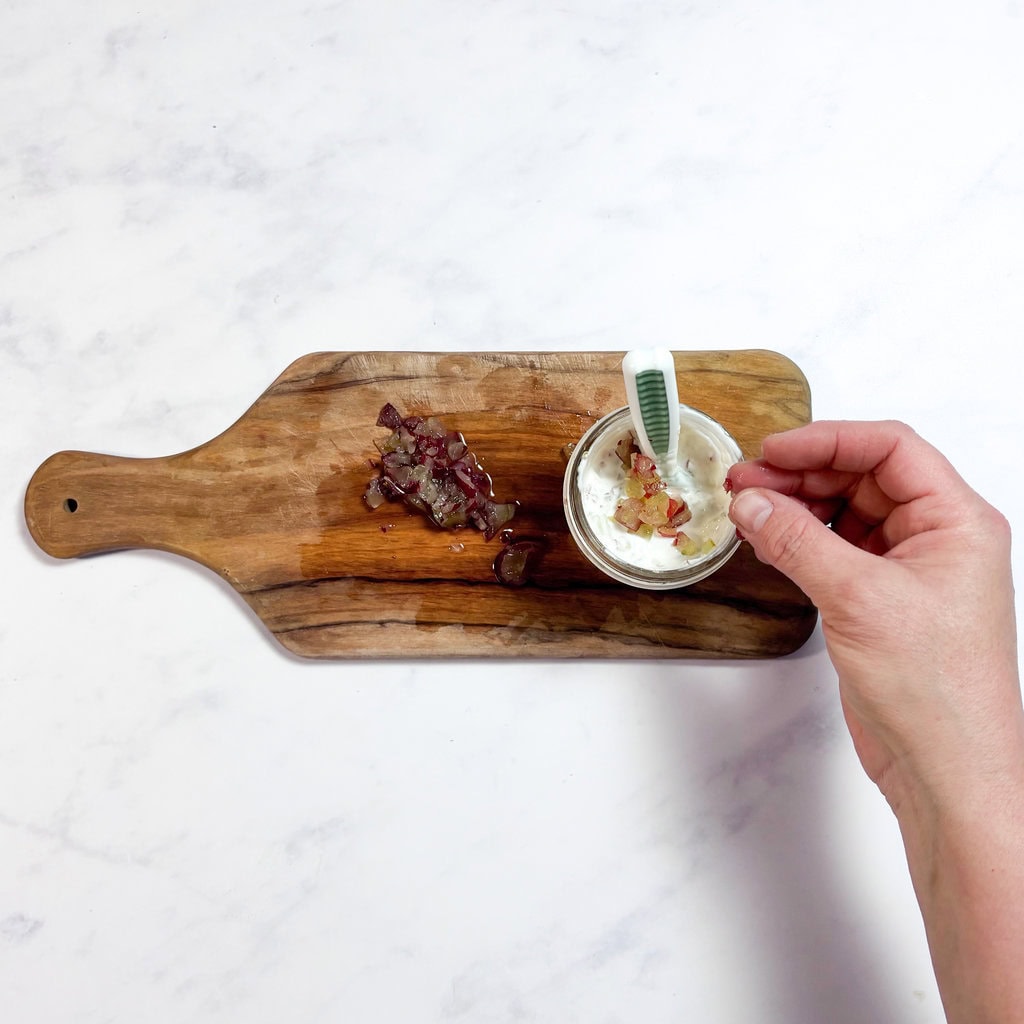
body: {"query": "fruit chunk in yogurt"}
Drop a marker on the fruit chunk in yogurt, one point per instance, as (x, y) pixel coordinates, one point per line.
(645, 521)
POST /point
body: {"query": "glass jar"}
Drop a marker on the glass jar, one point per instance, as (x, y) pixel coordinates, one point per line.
(592, 489)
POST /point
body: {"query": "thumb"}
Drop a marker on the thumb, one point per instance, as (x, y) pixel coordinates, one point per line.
(786, 535)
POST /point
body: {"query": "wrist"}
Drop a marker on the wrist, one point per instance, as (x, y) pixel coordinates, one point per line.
(979, 781)
(962, 748)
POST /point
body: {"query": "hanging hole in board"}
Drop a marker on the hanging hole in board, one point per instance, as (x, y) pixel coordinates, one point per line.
(70, 505)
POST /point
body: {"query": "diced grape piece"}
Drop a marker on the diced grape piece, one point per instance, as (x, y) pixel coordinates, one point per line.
(628, 513)
(655, 510)
(687, 545)
(390, 460)
(454, 518)
(643, 465)
(373, 496)
(389, 417)
(432, 427)
(516, 561)
(495, 516)
(625, 448)
(681, 518)
(402, 477)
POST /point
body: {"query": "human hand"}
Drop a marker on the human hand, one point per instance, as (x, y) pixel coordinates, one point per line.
(916, 599)
(914, 589)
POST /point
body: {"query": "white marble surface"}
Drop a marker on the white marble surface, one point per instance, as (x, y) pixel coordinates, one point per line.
(195, 826)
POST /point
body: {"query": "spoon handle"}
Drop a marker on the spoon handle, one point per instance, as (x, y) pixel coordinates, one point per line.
(653, 397)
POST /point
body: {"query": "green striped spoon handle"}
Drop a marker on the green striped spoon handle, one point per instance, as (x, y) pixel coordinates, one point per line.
(653, 397)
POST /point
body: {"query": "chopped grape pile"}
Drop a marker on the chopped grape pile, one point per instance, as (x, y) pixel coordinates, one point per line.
(433, 471)
(646, 507)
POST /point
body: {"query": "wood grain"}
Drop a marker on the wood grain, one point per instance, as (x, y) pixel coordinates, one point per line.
(274, 505)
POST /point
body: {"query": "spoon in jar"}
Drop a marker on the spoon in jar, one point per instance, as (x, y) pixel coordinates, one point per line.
(653, 397)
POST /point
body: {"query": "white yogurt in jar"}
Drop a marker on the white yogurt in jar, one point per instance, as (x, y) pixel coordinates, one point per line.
(595, 484)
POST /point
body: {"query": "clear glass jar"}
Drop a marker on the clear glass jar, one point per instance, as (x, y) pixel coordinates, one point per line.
(593, 487)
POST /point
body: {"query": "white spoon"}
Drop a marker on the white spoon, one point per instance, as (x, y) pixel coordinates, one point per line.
(653, 397)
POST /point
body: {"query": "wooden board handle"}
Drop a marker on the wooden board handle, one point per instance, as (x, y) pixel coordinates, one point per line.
(82, 503)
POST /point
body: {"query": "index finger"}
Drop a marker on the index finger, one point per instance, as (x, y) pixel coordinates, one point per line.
(904, 465)
(823, 491)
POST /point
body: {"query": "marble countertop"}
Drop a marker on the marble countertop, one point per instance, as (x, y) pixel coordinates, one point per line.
(195, 826)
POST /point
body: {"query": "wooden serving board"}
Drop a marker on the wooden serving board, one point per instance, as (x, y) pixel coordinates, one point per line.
(274, 505)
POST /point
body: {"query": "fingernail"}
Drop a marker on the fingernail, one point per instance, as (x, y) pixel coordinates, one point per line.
(750, 511)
